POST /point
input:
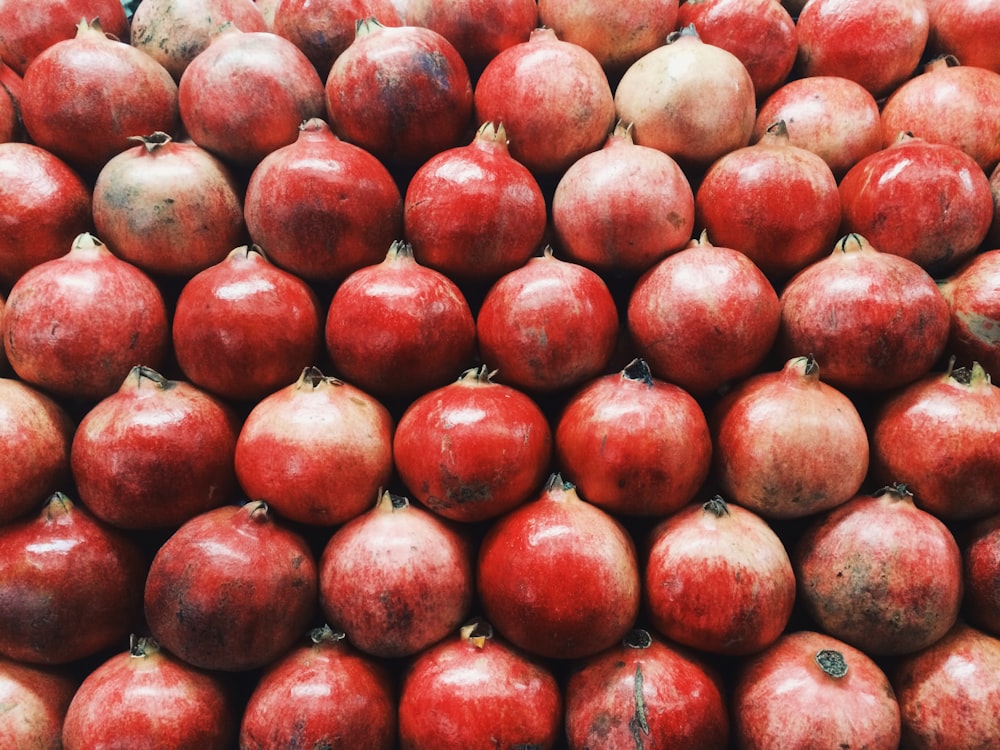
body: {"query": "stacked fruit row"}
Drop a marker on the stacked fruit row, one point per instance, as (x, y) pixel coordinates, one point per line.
(499, 374)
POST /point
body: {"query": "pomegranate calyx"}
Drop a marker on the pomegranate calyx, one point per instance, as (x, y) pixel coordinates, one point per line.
(686, 31)
(555, 483)
(141, 646)
(313, 378)
(400, 250)
(258, 511)
(58, 505)
(153, 141)
(637, 638)
(391, 502)
(832, 662)
(326, 635)
(638, 370)
(777, 132)
(476, 632)
(716, 506)
(481, 374)
(896, 491)
(142, 373)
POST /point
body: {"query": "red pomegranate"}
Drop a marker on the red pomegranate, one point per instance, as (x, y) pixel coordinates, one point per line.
(880, 573)
(473, 449)
(645, 690)
(773, 201)
(981, 567)
(832, 116)
(74, 326)
(704, 317)
(475, 230)
(46, 205)
(787, 444)
(170, 207)
(634, 445)
(396, 579)
(317, 451)
(559, 577)
(929, 202)
(873, 320)
(118, 91)
(967, 30)
(939, 435)
(622, 208)
(401, 92)
(399, 329)
(322, 208)
(35, 700)
(552, 97)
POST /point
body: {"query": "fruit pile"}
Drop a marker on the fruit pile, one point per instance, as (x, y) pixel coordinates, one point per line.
(499, 374)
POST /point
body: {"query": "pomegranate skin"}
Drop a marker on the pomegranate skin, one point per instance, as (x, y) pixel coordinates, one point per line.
(474, 212)
(971, 293)
(322, 208)
(396, 579)
(45, 206)
(566, 592)
(58, 570)
(159, 701)
(74, 326)
(474, 691)
(874, 321)
(671, 696)
(84, 97)
(948, 691)
(401, 92)
(623, 207)
(981, 568)
(773, 201)
(291, 701)
(929, 202)
(35, 700)
(878, 46)
(939, 436)
(812, 690)
(832, 116)
(880, 573)
(703, 317)
(552, 120)
(650, 440)
(968, 30)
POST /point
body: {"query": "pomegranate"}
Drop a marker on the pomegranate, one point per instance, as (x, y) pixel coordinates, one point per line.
(873, 320)
(324, 30)
(832, 116)
(244, 328)
(159, 701)
(967, 30)
(317, 451)
(401, 92)
(981, 569)
(246, 94)
(634, 445)
(993, 236)
(938, 435)
(552, 119)
(35, 700)
(949, 103)
(947, 691)
(174, 32)
(479, 29)
(809, 689)
(399, 329)
(559, 577)
(45, 205)
(117, 91)
(36, 432)
(155, 453)
(752, 586)
(291, 701)
(321, 207)
(929, 202)
(612, 33)
(10, 122)
(645, 691)
(880, 573)
(474, 212)
(549, 325)
(623, 207)
(70, 585)
(761, 33)
(215, 586)
(397, 579)
(75, 325)
(773, 201)
(704, 317)
(170, 207)
(29, 29)
(473, 449)
(878, 46)
(664, 95)
(475, 691)
(787, 443)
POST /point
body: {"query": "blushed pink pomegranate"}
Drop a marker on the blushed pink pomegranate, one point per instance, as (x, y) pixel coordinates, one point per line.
(35, 700)
(967, 30)
(981, 567)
